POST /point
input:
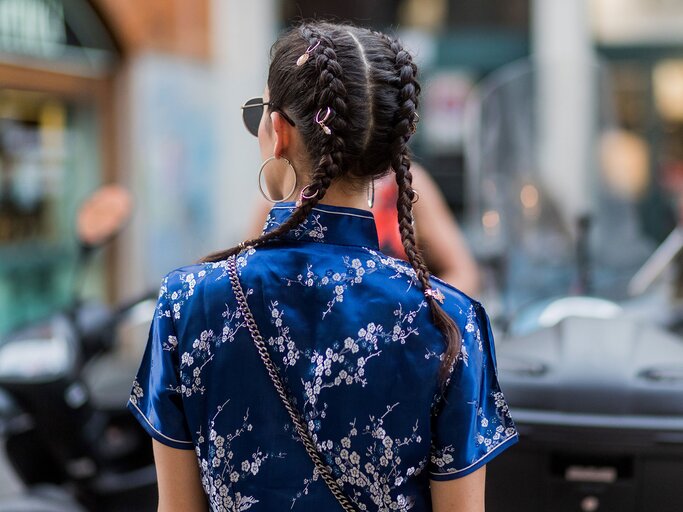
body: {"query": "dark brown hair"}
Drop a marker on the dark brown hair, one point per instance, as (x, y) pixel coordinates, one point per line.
(369, 82)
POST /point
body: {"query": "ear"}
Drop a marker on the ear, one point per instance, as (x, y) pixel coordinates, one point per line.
(283, 134)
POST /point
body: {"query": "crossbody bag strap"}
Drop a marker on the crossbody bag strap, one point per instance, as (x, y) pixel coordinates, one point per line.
(274, 375)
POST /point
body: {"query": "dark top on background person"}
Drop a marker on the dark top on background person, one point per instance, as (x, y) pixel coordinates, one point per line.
(392, 370)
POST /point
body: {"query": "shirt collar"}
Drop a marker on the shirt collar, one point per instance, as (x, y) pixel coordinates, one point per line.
(327, 224)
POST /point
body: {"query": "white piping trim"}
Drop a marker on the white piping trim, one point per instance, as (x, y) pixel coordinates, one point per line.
(154, 428)
(456, 471)
(325, 211)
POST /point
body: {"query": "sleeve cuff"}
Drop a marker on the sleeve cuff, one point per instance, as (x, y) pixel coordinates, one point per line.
(156, 434)
(485, 459)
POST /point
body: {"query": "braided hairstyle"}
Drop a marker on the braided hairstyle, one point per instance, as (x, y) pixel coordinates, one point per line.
(368, 81)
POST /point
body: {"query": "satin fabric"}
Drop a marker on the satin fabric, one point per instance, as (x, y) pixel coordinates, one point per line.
(352, 336)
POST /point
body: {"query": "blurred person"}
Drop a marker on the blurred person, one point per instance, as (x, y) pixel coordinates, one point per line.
(371, 385)
(438, 234)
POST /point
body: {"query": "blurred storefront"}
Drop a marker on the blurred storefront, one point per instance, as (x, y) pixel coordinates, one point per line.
(148, 94)
(56, 145)
(642, 41)
(64, 97)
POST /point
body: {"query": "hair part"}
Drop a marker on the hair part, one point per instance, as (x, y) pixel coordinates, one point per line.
(369, 81)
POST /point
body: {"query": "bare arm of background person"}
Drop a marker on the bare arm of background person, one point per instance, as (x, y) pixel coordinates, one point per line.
(439, 236)
(180, 487)
(464, 494)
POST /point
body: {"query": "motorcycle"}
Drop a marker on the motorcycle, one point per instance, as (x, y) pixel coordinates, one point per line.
(589, 355)
(64, 382)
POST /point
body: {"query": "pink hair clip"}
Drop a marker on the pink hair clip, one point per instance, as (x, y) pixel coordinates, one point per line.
(307, 54)
(322, 121)
(303, 195)
(435, 294)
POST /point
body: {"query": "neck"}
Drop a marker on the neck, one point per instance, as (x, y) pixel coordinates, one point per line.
(340, 195)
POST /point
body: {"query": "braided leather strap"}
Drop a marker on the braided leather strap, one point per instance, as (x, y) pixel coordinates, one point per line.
(274, 375)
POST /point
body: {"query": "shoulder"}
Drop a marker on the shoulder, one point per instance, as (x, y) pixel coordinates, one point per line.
(184, 286)
(456, 302)
(187, 277)
(477, 350)
(204, 275)
(465, 311)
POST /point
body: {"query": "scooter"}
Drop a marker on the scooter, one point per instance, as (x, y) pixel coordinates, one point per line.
(64, 382)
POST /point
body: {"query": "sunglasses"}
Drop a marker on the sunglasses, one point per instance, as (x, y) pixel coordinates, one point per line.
(252, 112)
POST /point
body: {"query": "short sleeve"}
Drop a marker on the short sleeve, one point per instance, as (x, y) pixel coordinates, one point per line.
(156, 399)
(473, 423)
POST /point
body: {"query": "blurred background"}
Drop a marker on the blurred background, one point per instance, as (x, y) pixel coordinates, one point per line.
(148, 95)
(553, 128)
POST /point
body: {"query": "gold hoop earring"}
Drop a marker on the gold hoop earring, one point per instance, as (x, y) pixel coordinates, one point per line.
(260, 186)
(371, 194)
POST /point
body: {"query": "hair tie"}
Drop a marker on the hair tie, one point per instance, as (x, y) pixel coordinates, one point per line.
(435, 294)
(322, 121)
(307, 54)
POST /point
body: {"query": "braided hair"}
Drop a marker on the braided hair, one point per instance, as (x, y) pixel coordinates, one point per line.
(368, 82)
(406, 118)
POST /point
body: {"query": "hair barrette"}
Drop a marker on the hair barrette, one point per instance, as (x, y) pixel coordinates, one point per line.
(324, 119)
(307, 54)
(303, 196)
(435, 294)
(413, 125)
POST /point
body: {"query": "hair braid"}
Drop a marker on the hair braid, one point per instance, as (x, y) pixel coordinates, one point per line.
(331, 93)
(406, 117)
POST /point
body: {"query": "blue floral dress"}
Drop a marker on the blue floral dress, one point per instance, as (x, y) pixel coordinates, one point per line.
(351, 333)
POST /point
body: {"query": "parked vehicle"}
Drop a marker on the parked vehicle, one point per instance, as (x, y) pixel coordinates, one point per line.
(64, 383)
(588, 352)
